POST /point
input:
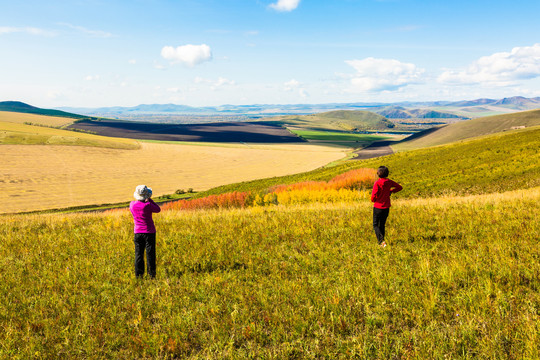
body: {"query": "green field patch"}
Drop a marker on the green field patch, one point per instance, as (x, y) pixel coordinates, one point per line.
(337, 136)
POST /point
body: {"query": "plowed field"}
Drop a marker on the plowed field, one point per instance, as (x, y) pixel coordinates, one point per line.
(214, 132)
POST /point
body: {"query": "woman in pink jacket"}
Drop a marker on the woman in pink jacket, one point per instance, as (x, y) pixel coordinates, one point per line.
(145, 231)
(380, 197)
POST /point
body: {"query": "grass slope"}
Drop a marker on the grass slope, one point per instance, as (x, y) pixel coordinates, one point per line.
(500, 162)
(34, 119)
(337, 120)
(471, 128)
(460, 280)
(12, 133)
(20, 107)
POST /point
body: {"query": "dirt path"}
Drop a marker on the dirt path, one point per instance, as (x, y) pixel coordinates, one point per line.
(377, 149)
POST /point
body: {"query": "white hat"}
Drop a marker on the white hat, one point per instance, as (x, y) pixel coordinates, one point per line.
(142, 192)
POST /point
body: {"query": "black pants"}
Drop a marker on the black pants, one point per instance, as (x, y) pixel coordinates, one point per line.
(145, 242)
(379, 222)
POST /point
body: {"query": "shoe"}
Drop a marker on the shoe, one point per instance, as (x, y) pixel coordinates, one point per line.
(383, 244)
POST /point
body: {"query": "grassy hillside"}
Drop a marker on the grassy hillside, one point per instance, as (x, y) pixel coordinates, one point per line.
(398, 112)
(12, 133)
(34, 119)
(471, 128)
(500, 162)
(337, 120)
(20, 107)
(459, 280)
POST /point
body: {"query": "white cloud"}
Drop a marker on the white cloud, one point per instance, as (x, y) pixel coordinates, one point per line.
(159, 66)
(499, 69)
(89, 32)
(291, 85)
(26, 30)
(285, 5)
(295, 86)
(200, 80)
(56, 95)
(189, 55)
(132, 61)
(374, 75)
(92, 77)
(222, 82)
(214, 84)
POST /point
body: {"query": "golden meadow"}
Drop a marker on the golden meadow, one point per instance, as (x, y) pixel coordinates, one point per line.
(459, 280)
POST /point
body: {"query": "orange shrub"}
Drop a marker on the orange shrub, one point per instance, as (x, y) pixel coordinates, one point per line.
(344, 187)
(228, 200)
(352, 180)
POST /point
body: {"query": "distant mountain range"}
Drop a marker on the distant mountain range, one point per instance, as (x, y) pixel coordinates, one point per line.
(433, 109)
(403, 110)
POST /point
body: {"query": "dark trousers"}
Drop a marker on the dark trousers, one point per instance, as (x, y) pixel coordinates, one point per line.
(379, 222)
(145, 242)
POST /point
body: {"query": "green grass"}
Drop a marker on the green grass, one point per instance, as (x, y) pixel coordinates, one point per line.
(495, 163)
(464, 130)
(335, 120)
(20, 107)
(460, 280)
(332, 136)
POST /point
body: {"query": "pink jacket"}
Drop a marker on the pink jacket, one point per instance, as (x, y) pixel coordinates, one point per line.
(142, 216)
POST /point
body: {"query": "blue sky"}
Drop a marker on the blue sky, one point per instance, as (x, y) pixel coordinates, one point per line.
(92, 53)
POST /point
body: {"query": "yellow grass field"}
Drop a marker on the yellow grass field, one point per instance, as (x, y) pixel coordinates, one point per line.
(39, 177)
(12, 133)
(21, 118)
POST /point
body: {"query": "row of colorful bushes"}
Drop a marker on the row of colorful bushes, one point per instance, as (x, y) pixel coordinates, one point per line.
(350, 186)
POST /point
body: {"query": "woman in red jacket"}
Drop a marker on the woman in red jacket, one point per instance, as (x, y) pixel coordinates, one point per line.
(382, 189)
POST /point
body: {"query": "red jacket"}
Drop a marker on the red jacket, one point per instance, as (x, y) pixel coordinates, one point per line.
(382, 189)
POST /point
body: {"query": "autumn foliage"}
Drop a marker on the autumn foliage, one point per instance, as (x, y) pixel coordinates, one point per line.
(350, 186)
(228, 200)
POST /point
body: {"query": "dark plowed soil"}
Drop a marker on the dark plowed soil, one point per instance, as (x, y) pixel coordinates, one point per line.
(214, 132)
(377, 149)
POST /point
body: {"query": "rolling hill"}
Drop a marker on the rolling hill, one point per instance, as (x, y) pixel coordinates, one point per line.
(343, 120)
(468, 129)
(20, 107)
(35, 119)
(13, 133)
(398, 112)
(494, 163)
